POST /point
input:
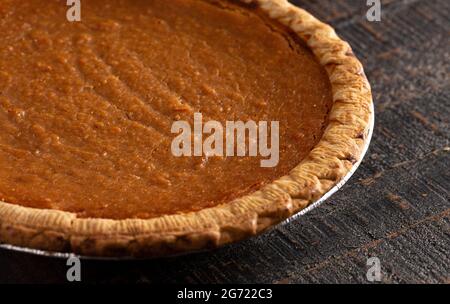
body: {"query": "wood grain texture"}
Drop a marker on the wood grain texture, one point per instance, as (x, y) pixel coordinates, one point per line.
(395, 208)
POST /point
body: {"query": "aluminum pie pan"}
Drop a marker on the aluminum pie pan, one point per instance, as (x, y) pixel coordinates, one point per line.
(337, 187)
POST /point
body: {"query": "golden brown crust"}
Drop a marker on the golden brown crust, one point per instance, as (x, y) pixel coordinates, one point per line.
(330, 161)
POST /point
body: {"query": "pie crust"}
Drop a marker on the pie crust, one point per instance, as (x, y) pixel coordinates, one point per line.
(341, 147)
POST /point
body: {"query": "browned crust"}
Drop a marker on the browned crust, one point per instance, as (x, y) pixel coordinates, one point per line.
(329, 162)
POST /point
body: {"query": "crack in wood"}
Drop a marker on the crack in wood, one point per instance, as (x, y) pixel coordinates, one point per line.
(371, 245)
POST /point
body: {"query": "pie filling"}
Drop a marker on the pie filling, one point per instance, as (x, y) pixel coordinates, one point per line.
(86, 108)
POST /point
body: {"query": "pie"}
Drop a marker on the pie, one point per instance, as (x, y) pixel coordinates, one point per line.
(86, 111)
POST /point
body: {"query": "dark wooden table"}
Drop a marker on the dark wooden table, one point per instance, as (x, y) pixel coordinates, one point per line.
(395, 208)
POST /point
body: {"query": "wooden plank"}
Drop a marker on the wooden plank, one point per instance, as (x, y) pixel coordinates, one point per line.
(395, 208)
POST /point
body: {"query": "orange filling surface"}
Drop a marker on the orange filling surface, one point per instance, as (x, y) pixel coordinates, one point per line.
(86, 108)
